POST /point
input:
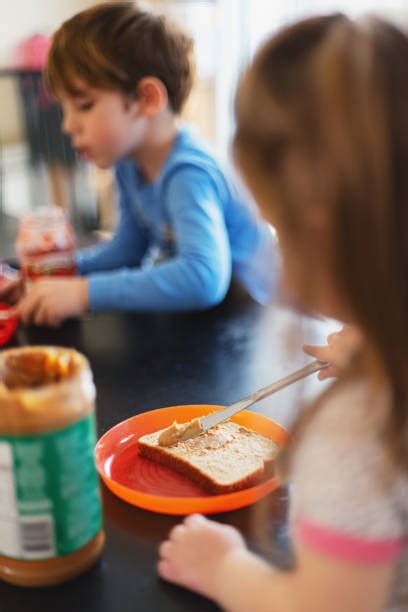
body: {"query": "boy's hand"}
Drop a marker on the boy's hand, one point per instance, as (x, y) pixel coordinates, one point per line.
(195, 552)
(11, 284)
(340, 347)
(50, 301)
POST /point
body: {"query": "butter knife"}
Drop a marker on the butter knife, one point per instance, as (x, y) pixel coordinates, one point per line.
(202, 424)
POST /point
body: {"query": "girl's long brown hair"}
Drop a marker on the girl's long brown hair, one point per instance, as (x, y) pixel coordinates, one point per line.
(322, 132)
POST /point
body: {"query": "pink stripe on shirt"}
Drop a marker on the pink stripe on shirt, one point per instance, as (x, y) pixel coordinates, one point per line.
(348, 547)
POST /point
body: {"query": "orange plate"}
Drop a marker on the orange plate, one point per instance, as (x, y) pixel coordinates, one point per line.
(151, 486)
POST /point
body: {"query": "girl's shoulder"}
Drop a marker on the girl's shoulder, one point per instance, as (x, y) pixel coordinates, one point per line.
(354, 405)
(348, 419)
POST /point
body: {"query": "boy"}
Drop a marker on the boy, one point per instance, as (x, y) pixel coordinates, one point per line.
(122, 76)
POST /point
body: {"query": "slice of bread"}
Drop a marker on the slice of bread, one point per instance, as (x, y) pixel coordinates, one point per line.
(226, 458)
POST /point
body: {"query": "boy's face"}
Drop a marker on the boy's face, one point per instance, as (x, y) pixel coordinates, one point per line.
(103, 124)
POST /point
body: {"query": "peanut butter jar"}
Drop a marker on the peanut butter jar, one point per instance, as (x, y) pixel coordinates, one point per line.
(50, 508)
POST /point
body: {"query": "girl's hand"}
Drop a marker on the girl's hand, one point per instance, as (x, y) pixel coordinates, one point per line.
(195, 553)
(340, 348)
(50, 301)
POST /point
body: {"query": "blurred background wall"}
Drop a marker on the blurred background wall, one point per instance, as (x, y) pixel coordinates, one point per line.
(18, 20)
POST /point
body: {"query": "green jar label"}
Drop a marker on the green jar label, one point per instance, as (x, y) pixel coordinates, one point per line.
(49, 492)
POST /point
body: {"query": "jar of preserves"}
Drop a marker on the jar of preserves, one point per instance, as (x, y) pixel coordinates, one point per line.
(50, 508)
(46, 244)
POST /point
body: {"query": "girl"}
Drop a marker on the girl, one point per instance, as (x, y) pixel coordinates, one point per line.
(322, 141)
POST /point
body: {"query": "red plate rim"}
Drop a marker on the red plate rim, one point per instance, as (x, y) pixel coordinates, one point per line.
(147, 422)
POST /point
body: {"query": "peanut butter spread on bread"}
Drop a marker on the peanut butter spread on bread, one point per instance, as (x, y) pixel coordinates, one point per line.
(225, 458)
(176, 433)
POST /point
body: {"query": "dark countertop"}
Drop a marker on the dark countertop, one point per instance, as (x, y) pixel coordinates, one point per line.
(142, 362)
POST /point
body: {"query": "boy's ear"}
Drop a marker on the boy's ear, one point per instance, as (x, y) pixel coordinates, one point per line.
(151, 96)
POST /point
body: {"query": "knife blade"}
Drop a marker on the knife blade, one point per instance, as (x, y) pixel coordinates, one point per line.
(226, 413)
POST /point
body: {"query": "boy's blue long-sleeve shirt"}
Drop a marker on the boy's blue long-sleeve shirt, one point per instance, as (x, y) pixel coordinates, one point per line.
(179, 239)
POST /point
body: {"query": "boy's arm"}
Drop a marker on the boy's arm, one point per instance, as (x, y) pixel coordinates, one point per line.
(126, 248)
(199, 274)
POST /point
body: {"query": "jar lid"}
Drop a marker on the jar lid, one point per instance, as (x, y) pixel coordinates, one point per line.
(43, 388)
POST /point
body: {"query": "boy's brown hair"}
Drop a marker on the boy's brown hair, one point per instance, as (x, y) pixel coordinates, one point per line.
(113, 46)
(322, 134)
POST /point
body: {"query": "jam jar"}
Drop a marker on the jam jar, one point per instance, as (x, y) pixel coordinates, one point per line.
(46, 244)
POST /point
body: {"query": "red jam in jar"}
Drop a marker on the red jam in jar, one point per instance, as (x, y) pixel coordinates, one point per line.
(46, 244)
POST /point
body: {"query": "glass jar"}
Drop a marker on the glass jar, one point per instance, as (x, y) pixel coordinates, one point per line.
(45, 244)
(50, 508)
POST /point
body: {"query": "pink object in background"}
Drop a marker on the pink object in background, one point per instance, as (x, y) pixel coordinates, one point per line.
(32, 51)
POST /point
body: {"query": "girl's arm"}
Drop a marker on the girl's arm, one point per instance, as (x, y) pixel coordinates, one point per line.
(212, 559)
(319, 584)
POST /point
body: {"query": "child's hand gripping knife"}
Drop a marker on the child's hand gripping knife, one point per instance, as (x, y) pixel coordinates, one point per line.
(339, 349)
